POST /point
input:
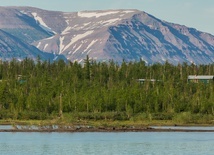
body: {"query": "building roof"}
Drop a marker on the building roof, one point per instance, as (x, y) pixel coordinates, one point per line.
(201, 77)
(143, 80)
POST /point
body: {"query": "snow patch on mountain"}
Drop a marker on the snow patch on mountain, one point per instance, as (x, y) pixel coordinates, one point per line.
(46, 45)
(91, 44)
(77, 49)
(42, 23)
(38, 45)
(66, 30)
(95, 14)
(49, 38)
(61, 46)
(78, 37)
(129, 11)
(23, 12)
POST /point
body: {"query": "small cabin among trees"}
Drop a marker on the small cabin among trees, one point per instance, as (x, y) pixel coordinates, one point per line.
(147, 80)
(201, 78)
(21, 79)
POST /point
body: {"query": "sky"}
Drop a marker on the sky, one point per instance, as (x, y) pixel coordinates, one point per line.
(197, 14)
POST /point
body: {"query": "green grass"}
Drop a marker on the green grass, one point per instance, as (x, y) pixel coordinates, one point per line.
(112, 119)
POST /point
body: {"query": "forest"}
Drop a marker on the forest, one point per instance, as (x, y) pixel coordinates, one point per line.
(39, 90)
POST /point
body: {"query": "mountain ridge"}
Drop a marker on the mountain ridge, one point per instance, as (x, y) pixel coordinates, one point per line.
(124, 34)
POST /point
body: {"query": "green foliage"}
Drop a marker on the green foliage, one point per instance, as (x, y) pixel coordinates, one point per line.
(103, 91)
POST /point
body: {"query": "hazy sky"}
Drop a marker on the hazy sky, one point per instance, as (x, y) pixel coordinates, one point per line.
(198, 14)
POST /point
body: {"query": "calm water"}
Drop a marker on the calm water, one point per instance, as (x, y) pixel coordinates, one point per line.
(129, 143)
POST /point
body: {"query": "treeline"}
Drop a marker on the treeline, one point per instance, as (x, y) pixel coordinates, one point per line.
(41, 90)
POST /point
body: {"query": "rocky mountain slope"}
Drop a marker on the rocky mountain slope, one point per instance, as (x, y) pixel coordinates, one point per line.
(128, 35)
(11, 47)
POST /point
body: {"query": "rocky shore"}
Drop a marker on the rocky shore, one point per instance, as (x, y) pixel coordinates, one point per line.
(52, 128)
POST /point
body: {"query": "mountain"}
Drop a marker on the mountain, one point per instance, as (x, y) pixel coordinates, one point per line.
(118, 35)
(17, 32)
(11, 47)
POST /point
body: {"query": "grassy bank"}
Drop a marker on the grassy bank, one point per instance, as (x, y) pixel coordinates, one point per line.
(118, 120)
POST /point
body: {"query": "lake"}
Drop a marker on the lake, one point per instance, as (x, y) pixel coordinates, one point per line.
(107, 143)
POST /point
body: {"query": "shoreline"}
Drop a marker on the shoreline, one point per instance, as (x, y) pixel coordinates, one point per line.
(101, 126)
(102, 129)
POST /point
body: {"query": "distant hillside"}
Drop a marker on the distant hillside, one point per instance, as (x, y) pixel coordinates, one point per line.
(11, 47)
(128, 35)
